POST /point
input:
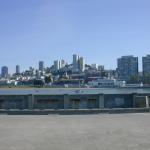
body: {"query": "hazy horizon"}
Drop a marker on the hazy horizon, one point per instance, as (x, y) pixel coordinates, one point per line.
(99, 30)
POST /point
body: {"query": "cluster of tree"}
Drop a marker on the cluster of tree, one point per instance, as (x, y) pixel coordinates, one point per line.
(146, 79)
(138, 79)
(38, 83)
(134, 79)
(48, 79)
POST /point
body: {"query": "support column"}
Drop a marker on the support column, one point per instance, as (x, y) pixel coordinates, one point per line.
(134, 100)
(101, 101)
(83, 104)
(31, 101)
(66, 101)
(147, 102)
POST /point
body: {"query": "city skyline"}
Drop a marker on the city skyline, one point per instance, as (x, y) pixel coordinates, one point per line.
(40, 65)
(99, 30)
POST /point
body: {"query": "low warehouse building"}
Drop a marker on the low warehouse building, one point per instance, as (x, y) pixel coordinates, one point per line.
(66, 98)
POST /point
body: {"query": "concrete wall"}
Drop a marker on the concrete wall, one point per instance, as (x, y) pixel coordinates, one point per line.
(118, 101)
(48, 102)
(83, 102)
(13, 102)
(141, 101)
(99, 101)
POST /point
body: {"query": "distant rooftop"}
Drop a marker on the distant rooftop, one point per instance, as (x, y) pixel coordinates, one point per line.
(73, 91)
(127, 56)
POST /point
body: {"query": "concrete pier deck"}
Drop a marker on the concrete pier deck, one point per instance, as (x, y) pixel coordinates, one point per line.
(75, 132)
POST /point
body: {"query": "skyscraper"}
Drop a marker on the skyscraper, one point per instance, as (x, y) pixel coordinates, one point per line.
(4, 72)
(56, 65)
(81, 64)
(78, 63)
(41, 66)
(75, 62)
(94, 66)
(127, 67)
(146, 66)
(17, 69)
(100, 68)
(63, 63)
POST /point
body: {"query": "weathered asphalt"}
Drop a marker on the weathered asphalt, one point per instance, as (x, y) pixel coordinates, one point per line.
(75, 132)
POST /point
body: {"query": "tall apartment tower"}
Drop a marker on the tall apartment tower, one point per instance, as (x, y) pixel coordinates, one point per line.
(57, 65)
(41, 66)
(127, 67)
(62, 63)
(17, 69)
(146, 65)
(75, 62)
(78, 63)
(4, 72)
(81, 64)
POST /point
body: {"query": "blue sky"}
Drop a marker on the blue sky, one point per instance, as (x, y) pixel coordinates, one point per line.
(99, 30)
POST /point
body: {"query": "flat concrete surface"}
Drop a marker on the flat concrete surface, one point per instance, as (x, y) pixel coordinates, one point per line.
(75, 132)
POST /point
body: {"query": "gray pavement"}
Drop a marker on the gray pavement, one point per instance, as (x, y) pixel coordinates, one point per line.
(75, 132)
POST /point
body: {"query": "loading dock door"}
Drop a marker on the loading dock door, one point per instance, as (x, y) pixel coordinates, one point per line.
(91, 103)
(75, 103)
(2, 104)
(47, 104)
(55, 103)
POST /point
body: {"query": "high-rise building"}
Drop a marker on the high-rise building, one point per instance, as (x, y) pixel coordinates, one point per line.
(78, 63)
(63, 63)
(30, 68)
(127, 67)
(4, 72)
(101, 68)
(81, 64)
(41, 66)
(94, 66)
(17, 69)
(75, 62)
(146, 66)
(56, 65)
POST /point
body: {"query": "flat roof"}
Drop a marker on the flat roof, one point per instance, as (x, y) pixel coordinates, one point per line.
(72, 91)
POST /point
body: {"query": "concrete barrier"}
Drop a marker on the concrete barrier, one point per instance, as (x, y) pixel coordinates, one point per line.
(74, 112)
